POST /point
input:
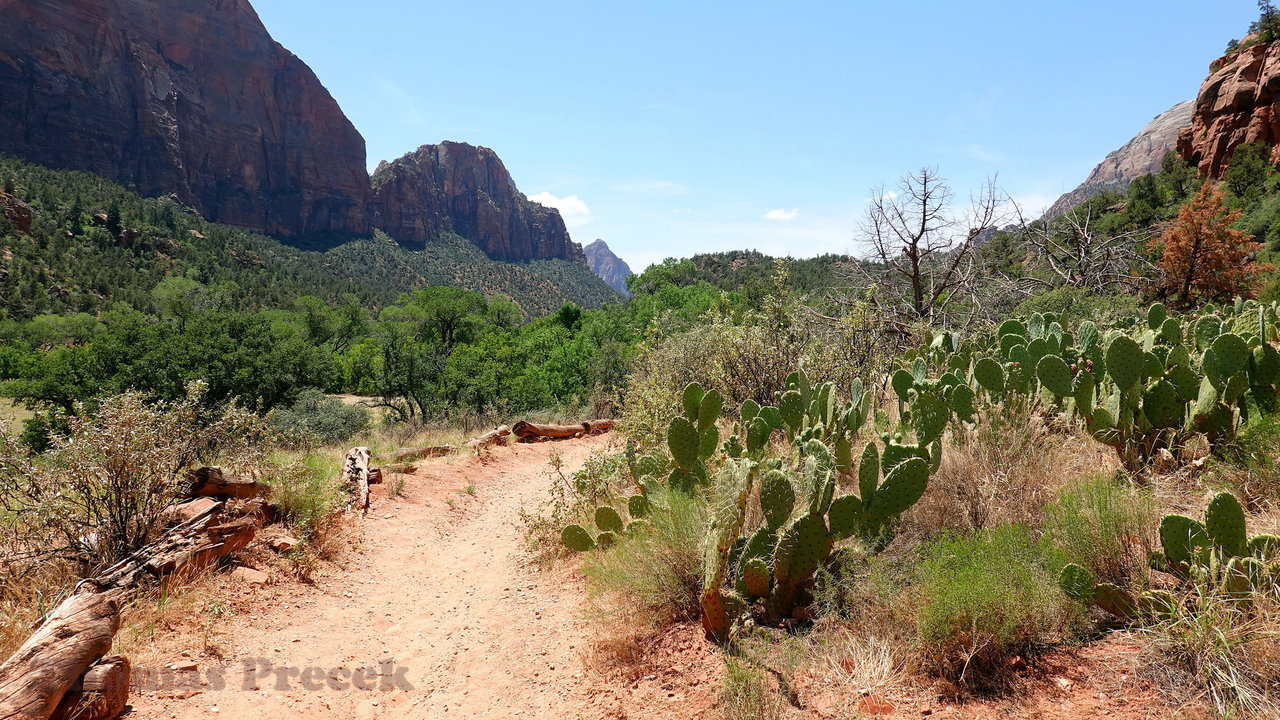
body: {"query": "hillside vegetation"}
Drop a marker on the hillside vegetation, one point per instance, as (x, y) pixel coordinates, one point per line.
(92, 244)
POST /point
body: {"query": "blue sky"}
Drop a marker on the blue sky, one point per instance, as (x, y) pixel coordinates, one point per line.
(670, 128)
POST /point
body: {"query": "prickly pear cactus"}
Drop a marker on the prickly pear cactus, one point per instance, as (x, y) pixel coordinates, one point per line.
(576, 537)
(1055, 376)
(1224, 521)
(608, 519)
(1125, 361)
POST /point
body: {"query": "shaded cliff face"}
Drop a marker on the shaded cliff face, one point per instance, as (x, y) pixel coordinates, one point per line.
(607, 266)
(464, 189)
(1140, 156)
(1238, 104)
(191, 97)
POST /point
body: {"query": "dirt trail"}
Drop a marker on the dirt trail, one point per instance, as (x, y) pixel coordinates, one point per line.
(436, 614)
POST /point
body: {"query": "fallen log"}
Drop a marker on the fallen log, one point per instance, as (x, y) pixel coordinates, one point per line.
(210, 482)
(408, 455)
(496, 436)
(355, 472)
(79, 632)
(62, 657)
(524, 429)
(100, 694)
(600, 426)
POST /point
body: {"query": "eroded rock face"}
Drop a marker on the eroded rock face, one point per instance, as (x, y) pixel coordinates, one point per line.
(1140, 156)
(464, 189)
(191, 97)
(607, 266)
(1237, 104)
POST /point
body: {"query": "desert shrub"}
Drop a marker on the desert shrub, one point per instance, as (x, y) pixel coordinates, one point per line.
(318, 418)
(306, 490)
(1002, 471)
(985, 596)
(99, 492)
(653, 577)
(749, 357)
(1105, 527)
(1075, 305)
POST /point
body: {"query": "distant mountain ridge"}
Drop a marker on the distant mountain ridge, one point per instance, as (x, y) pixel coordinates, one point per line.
(1142, 155)
(194, 98)
(608, 266)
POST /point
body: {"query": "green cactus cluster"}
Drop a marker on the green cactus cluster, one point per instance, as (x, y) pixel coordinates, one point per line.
(610, 524)
(1144, 384)
(1216, 553)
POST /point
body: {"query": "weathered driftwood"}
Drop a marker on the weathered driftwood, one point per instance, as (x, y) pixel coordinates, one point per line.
(375, 476)
(79, 632)
(61, 655)
(600, 426)
(190, 547)
(533, 432)
(210, 482)
(408, 455)
(496, 436)
(100, 694)
(524, 429)
(355, 471)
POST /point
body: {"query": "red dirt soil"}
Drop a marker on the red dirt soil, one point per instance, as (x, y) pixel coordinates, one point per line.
(438, 596)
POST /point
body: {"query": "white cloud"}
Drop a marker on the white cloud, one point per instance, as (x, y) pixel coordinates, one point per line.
(572, 208)
(782, 215)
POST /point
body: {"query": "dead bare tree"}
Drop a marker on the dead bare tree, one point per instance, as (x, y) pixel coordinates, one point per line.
(920, 259)
(1071, 250)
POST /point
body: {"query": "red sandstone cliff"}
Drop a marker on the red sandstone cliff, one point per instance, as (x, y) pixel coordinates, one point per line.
(1238, 103)
(191, 97)
(464, 189)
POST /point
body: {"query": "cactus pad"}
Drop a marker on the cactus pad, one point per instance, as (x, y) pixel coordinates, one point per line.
(1224, 521)
(1232, 353)
(1077, 583)
(692, 400)
(791, 406)
(869, 471)
(1180, 536)
(777, 498)
(990, 375)
(1088, 336)
(576, 537)
(1055, 375)
(1125, 361)
(1162, 406)
(608, 519)
(709, 410)
(1115, 600)
(900, 490)
(802, 548)
(1156, 315)
(844, 516)
(963, 403)
(684, 441)
(638, 506)
(755, 577)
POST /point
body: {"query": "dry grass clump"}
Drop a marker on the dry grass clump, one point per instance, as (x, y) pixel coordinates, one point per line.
(1222, 651)
(1003, 470)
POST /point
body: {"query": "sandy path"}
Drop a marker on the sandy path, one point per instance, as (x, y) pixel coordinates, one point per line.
(436, 615)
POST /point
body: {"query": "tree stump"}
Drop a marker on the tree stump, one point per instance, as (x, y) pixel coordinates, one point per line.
(355, 471)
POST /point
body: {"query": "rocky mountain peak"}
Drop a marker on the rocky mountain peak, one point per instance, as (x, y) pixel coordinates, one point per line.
(190, 97)
(466, 189)
(1140, 156)
(608, 266)
(1238, 103)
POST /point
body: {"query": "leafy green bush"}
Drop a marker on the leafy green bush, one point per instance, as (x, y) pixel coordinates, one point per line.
(984, 597)
(306, 490)
(1105, 527)
(319, 417)
(653, 577)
